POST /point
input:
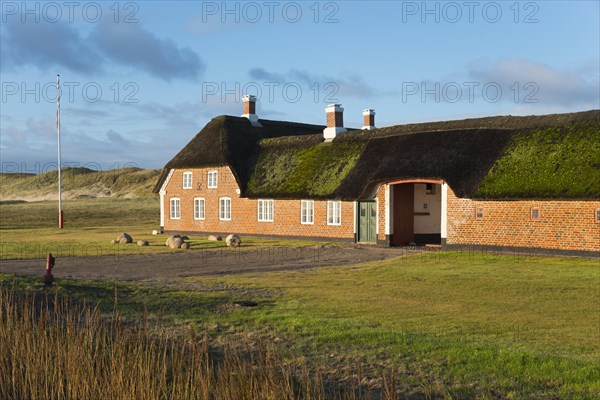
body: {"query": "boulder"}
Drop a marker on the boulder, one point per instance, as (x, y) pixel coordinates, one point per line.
(213, 237)
(176, 243)
(185, 245)
(233, 240)
(142, 243)
(170, 239)
(124, 238)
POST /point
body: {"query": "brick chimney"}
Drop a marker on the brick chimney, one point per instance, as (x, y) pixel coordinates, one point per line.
(335, 122)
(250, 109)
(369, 119)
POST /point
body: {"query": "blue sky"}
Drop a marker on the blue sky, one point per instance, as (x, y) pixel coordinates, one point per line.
(140, 79)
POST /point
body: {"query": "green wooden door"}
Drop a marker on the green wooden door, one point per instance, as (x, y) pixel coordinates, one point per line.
(367, 221)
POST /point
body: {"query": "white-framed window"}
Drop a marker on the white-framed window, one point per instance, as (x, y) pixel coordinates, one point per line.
(334, 213)
(187, 180)
(265, 210)
(225, 209)
(199, 204)
(175, 208)
(212, 180)
(307, 212)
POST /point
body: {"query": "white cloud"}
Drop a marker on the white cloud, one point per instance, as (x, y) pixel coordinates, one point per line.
(557, 87)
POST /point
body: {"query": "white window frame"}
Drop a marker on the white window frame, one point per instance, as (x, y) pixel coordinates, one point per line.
(212, 180)
(305, 207)
(173, 208)
(223, 212)
(334, 213)
(199, 216)
(266, 210)
(187, 178)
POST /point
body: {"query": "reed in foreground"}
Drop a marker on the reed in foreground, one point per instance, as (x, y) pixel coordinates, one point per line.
(54, 348)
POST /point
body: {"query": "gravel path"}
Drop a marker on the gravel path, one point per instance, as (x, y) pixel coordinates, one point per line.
(203, 262)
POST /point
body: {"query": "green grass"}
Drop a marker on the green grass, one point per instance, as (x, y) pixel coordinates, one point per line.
(467, 325)
(29, 230)
(552, 162)
(457, 324)
(527, 327)
(80, 214)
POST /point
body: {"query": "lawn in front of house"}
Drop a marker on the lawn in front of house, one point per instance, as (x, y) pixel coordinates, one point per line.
(30, 229)
(464, 325)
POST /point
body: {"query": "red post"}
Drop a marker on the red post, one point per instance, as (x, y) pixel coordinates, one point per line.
(60, 219)
(49, 278)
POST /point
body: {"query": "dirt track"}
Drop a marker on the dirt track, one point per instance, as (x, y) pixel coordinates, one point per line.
(198, 263)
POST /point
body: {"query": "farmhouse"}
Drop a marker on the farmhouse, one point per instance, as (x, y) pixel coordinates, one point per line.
(520, 182)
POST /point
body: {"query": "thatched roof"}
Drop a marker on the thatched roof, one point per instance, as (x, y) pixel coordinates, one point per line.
(550, 156)
(233, 141)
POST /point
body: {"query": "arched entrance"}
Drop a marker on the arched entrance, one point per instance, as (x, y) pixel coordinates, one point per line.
(417, 212)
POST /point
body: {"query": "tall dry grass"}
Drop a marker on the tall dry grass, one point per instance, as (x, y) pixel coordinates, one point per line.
(53, 348)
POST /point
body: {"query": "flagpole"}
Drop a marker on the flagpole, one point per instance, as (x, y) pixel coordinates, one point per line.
(60, 210)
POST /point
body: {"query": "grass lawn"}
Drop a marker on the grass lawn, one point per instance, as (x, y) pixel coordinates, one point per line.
(449, 324)
(30, 230)
(457, 325)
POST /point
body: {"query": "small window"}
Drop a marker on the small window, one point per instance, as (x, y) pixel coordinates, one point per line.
(265, 210)
(225, 209)
(429, 188)
(187, 180)
(175, 209)
(479, 213)
(535, 214)
(307, 212)
(334, 213)
(598, 215)
(212, 180)
(199, 208)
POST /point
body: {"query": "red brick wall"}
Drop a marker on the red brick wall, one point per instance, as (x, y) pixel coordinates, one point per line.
(563, 224)
(335, 119)
(244, 212)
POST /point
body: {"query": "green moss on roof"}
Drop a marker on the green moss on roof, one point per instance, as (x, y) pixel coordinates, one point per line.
(547, 156)
(559, 162)
(313, 171)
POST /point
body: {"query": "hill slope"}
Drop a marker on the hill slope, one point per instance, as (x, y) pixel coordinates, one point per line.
(79, 183)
